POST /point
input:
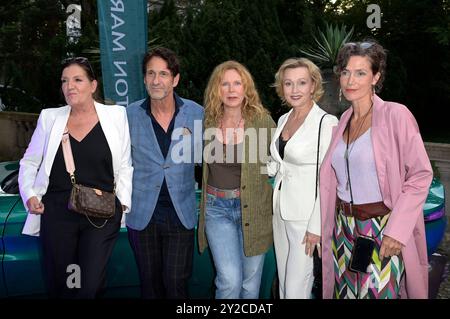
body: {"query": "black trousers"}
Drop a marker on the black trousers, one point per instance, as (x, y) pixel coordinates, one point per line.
(68, 238)
(164, 254)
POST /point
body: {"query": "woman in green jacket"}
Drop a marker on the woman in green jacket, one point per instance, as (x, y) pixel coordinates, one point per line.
(236, 206)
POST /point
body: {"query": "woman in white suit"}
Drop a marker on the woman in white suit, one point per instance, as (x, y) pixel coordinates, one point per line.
(296, 218)
(100, 143)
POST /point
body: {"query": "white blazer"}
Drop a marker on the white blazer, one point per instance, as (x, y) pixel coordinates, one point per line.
(36, 164)
(297, 171)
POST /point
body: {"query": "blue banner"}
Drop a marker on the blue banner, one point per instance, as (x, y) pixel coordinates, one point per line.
(123, 43)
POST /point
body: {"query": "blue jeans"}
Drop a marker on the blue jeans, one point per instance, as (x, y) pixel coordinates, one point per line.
(237, 276)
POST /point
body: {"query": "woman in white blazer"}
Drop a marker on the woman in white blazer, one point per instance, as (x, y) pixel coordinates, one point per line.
(100, 142)
(296, 204)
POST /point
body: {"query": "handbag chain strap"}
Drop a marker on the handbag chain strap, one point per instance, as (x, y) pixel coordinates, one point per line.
(318, 150)
(315, 252)
(347, 166)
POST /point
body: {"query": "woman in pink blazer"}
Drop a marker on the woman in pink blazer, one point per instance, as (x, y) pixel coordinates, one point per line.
(374, 181)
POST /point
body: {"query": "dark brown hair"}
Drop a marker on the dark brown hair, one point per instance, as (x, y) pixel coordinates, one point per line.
(82, 62)
(371, 49)
(167, 55)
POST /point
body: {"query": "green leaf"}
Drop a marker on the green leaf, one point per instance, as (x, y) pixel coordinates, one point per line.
(328, 44)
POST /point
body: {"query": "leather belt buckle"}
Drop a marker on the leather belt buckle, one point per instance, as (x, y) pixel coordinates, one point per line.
(345, 208)
(224, 193)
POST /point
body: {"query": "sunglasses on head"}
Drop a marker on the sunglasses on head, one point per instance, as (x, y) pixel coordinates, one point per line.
(362, 45)
(77, 60)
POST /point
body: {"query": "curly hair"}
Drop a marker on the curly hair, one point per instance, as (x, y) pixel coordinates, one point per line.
(252, 105)
(294, 63)
(371, 49)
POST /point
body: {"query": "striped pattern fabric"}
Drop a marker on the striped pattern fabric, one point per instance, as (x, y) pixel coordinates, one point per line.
(382, 281)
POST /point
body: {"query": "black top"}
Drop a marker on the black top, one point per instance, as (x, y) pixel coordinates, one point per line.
(164, 207)
(164, 138)
(93, 163)
(281, 145)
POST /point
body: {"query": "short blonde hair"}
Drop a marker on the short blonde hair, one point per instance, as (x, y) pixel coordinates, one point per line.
(293, 63)
(213, 104)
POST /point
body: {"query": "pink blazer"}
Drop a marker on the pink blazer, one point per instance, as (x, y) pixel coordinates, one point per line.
(404, 174)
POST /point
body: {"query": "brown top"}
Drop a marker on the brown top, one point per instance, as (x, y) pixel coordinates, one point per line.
(225, 171)
(255, 192)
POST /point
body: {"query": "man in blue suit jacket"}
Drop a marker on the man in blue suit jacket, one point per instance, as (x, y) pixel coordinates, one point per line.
(166, 143)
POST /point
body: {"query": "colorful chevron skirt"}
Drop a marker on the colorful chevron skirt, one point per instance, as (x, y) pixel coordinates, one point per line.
(382, 281)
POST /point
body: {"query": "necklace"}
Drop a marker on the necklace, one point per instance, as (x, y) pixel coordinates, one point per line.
(347, 150)
(226, 138)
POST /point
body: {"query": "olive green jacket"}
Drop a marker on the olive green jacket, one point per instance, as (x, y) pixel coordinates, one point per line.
(256, 191)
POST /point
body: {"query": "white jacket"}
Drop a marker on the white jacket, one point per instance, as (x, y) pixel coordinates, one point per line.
(36, 164)
(297, 171)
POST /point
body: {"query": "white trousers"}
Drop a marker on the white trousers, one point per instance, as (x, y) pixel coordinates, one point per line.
(295, 268)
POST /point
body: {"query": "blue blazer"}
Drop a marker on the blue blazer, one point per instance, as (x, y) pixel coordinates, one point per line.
(150, 167)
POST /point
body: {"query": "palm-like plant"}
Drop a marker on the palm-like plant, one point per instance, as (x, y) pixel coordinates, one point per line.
(324, 53)
(328, 44)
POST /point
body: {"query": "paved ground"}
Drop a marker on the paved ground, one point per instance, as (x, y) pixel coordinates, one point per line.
(444, 249)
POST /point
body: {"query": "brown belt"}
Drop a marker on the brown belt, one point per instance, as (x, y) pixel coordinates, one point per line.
(223, 193)
(362, 211)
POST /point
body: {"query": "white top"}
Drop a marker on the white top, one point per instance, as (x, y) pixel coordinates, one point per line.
(363, 173)
(36, 164)
(297, 170)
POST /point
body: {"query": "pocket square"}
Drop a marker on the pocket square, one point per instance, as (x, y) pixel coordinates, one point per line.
(186, 131)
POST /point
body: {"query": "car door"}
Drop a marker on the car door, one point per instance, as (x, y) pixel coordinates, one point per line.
(21, 267)
(7, 202)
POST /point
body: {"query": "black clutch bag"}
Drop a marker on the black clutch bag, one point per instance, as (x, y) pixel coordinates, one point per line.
(361, 254)
(317, 272)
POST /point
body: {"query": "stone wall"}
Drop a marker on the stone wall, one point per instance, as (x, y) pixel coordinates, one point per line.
(16, 129)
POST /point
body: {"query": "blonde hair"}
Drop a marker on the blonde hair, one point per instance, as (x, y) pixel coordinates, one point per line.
(213, 104)
(293, 63)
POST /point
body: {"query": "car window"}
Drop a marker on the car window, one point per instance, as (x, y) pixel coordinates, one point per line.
(10, 184)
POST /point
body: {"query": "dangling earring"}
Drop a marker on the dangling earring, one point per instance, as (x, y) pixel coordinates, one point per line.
(373, 89)
(340, 95)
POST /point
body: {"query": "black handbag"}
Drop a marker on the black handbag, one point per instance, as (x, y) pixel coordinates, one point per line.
(86, 200)
(317, 272)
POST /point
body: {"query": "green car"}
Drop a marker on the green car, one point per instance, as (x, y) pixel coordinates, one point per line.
(21, 254)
